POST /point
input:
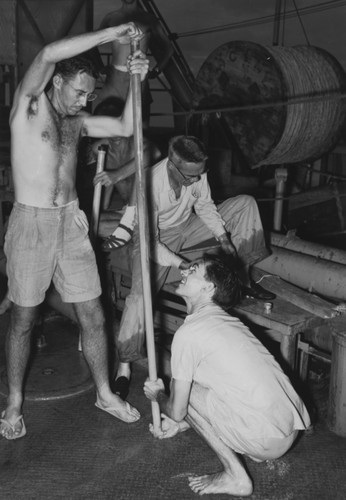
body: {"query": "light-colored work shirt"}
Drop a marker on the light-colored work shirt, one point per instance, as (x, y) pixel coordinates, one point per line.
(248, 391)
(169, 212)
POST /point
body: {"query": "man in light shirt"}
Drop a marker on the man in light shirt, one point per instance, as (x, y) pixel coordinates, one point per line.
(225, 384)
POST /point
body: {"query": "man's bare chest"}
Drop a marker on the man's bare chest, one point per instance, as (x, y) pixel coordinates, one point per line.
(60, 134)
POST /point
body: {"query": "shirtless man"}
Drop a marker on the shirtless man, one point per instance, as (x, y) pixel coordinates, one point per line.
(225, 384)
(47, 237)
(154, 39)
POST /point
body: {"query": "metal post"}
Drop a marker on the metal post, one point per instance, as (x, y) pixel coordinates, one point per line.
(277, 15)
(143, 226)
(101, 153)
(280, 179)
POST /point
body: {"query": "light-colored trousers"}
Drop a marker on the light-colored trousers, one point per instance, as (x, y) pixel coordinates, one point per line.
(242, 221)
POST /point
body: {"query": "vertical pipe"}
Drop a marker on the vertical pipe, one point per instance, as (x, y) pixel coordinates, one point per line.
(280, 179)
(277, 15)
(143, 227)
(101, 153)
(337, 388)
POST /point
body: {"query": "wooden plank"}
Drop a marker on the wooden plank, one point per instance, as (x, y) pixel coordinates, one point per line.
(286, 318)
(316, 195)
(291, 293)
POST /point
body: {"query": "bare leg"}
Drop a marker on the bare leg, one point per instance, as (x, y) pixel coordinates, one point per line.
(94, 344)
(233, 480)
(124, 370)
(17, 355)
(5, 304)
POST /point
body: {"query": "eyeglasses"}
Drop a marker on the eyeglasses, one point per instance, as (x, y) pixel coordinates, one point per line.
(81, 93)
(188, 178)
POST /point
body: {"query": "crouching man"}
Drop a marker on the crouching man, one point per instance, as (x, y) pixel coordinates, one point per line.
(225, 384)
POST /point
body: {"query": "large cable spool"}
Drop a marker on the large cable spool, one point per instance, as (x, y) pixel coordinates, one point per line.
(291, 99)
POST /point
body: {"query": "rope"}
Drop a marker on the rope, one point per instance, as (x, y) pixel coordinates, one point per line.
(301, 22)
(289, 102)
(264, 19)
(283, 24)
(287, 198)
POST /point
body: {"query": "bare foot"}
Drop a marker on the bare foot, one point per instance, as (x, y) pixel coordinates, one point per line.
(220, 482)
(119, 409)
(12, 424)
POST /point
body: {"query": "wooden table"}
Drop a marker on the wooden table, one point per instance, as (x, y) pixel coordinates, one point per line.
(283, 323)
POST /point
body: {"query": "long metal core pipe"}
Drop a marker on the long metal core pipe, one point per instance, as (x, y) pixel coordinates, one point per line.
(324, 277)
(307, 247)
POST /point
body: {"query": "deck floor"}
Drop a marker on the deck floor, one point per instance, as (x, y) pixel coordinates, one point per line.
(73, 450)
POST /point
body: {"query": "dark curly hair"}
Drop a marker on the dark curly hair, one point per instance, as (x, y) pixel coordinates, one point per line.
(188, 148)
(221, 272)
(68, 68)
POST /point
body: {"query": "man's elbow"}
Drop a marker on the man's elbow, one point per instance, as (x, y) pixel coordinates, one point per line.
(127, 129)
(128, 132)
(48, 54)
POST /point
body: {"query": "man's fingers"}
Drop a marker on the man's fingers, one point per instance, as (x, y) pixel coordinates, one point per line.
(184, 265)
(156, 433)
(135, 31)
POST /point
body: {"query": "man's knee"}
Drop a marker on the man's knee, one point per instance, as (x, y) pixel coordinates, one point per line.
(247, 199)
(90, 314)
(244, 201)
(23, 319)
(240, 206)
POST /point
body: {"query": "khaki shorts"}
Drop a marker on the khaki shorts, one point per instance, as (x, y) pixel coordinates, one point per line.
(261, 449)
(50, 244)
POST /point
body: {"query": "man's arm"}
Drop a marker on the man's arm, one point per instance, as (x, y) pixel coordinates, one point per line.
(101, 126)
(42, 67)
(111, 176)
(160, 253)
(206, 210)
(174, 407)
